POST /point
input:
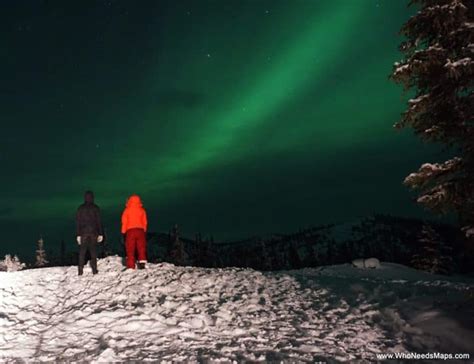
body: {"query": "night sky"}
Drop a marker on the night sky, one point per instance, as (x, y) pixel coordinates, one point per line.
(234, 118)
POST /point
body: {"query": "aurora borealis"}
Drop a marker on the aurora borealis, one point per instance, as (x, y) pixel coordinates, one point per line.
(232, 118)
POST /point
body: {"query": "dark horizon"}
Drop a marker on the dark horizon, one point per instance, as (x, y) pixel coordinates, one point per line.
(115, 244)
(234, 119)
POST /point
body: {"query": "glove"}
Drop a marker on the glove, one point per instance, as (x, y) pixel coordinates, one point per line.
(78, 239)
(100, 239)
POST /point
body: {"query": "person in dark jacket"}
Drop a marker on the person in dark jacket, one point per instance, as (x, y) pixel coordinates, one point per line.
(89, 231)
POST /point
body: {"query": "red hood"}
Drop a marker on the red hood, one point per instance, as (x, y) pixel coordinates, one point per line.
(134, 201)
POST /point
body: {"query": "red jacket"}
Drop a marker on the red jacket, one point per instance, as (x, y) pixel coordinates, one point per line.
(134, 215)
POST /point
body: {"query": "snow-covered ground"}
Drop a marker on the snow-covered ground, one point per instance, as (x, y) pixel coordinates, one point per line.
(185, 314)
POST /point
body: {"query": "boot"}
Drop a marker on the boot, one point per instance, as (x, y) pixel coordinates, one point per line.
(141, 265)
(80, 271)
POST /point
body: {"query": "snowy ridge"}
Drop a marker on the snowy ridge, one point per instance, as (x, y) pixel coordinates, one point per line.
(187, 314)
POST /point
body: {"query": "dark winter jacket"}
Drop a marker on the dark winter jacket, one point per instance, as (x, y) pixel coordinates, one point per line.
(88, 217)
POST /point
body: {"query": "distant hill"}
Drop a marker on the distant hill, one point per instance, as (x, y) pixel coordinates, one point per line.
(386, 237)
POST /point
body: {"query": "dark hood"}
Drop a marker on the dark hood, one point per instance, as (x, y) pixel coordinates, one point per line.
(89, 197)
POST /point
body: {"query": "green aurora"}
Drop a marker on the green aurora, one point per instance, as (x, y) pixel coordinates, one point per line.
(232, 118)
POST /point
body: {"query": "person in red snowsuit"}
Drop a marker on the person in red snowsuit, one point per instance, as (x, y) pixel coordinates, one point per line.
(134, 226)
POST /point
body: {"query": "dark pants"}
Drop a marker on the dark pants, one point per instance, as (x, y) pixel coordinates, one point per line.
(88, 243)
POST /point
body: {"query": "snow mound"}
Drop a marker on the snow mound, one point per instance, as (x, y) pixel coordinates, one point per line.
(187, 314)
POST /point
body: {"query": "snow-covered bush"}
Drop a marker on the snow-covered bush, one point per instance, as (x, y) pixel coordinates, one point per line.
(10, 264)
(370, 263)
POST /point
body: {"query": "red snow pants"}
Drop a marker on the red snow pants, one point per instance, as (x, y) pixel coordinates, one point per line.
(135, 241)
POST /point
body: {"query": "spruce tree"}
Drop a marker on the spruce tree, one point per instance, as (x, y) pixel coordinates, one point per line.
(62, 253)
(178, 254)
(434, 256)
(438, 69)
(40, 254)
(265, 260)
